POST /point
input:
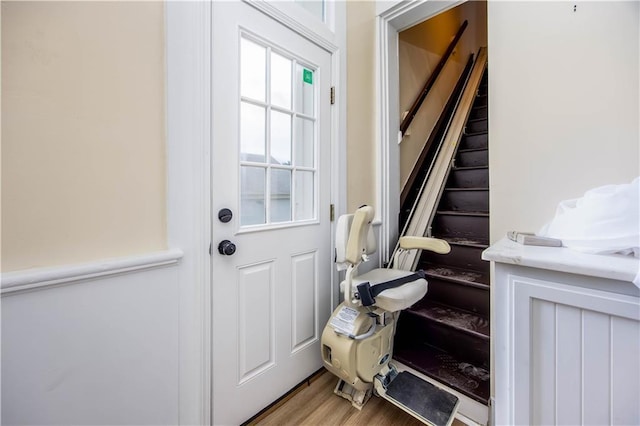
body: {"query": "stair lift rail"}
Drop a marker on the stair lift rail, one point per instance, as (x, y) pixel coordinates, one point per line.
(423, 209)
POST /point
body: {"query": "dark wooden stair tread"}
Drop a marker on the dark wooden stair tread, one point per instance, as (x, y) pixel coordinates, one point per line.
(469, 242)
(461, 213)
(467, 150)
(457, 275)
(465, 189)
(468, 379)
(470, 168)
(481, 132)
(458, 319)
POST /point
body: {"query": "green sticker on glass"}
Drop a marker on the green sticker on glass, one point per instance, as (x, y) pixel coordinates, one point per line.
(307, 76)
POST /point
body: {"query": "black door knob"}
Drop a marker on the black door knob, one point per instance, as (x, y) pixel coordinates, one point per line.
(226, 248)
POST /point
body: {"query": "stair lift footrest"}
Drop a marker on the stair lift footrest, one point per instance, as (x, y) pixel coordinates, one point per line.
(428, 401)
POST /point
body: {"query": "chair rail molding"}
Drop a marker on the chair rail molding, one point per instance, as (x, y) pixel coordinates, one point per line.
(35, 279)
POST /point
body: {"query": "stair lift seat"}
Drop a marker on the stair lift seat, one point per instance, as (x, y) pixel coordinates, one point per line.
(393, 299)
(357, 342)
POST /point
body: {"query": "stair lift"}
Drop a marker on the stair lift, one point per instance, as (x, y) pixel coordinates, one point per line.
(357, 342)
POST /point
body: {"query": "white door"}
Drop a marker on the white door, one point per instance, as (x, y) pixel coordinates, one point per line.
(270, 168)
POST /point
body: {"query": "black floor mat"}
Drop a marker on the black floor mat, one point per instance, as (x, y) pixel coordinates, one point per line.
(420, 396)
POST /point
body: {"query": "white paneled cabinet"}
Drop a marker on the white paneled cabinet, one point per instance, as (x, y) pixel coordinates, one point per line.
(566, 336)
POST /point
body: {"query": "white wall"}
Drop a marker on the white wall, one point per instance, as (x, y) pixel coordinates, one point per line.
(563, 105)
(96, 351)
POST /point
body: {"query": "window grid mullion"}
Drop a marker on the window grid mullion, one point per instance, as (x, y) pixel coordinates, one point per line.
(267, 158)
(294, 136)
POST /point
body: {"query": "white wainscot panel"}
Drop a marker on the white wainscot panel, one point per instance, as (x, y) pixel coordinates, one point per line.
(304, 268)
(97, 351)
(578, 363)
(256, 334)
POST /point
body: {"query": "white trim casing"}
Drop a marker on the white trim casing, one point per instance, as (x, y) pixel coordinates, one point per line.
(300, 21)
(339, 128)
(188, 65)
(393, 17)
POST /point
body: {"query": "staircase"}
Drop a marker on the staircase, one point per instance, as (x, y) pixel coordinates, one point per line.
(446, 335)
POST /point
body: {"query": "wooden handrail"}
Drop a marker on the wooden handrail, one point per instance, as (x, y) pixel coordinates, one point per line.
(437, 133)
(431, 80)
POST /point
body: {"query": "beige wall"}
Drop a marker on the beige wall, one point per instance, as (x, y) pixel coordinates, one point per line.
(420, 49)
(83, 131)
(563, 105)
(361, 104)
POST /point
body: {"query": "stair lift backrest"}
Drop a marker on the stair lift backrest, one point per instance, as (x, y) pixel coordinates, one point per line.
(354, 237)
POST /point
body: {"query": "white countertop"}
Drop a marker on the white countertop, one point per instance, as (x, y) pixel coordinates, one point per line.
(612, 266)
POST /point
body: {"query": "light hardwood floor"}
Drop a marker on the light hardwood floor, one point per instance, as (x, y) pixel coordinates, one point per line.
(316, 404)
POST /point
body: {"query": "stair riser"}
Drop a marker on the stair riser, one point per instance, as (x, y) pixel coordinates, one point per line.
(477, 126)
(458, 343)
(480, 101)
(472, 158)
(465, 257)
(479, 112)
(475, 141)
(471, 201)
(444, 369)
(470, 227)
(465, 297)
(475, 178)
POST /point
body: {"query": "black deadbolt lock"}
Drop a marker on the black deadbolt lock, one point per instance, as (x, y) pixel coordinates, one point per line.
(225, 215)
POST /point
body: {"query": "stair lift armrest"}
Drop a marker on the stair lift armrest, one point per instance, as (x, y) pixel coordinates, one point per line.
(425, 243)
(420, 243)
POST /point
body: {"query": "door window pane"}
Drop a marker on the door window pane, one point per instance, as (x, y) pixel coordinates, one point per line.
(252, 133)
(280, 208)
(304, 139)
(277, 136)
(304, 80)
(316, 7)
(253, 70)
(280, 138)
(280, 81)
(305, 190)
(252, 195)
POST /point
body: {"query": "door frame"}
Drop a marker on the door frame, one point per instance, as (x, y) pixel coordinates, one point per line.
(393, 17)
(188, 30)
